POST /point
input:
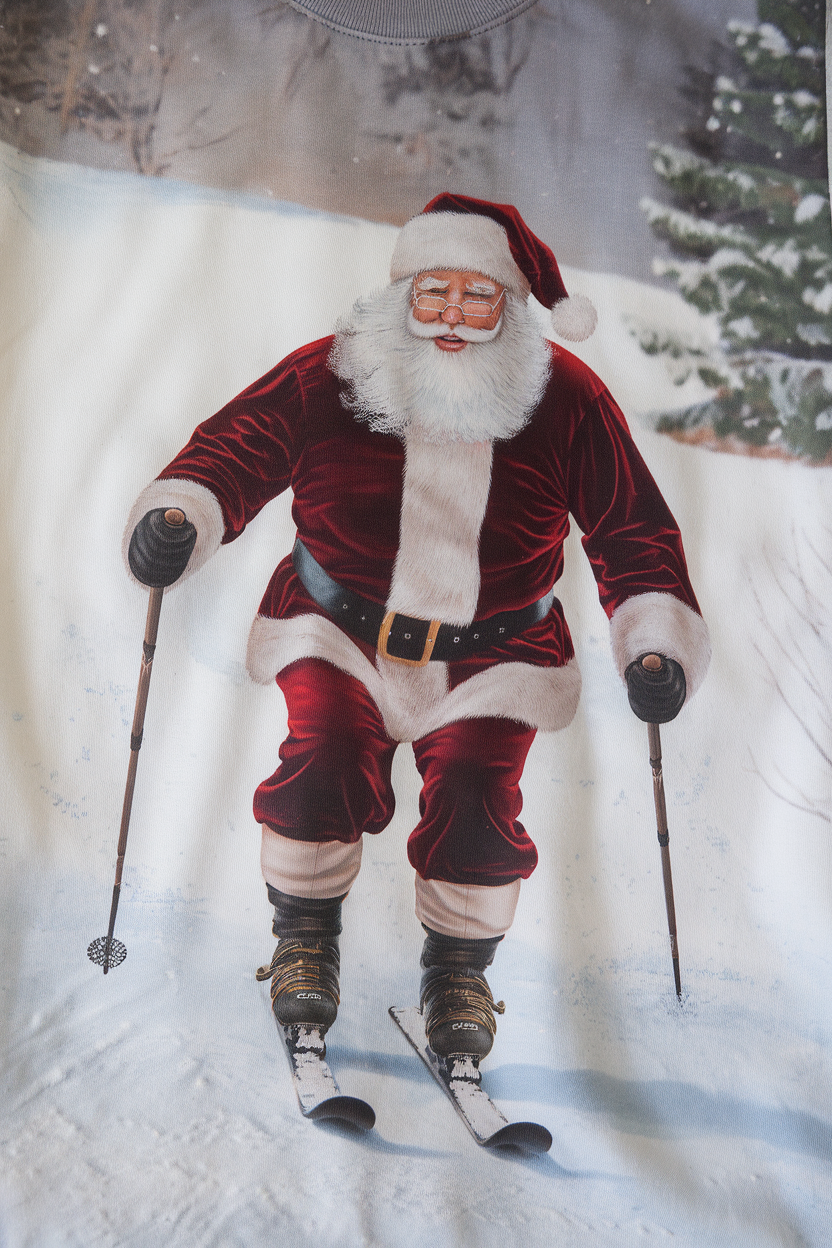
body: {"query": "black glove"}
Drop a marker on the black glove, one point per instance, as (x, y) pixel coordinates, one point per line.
(161, 546)
(656, 688)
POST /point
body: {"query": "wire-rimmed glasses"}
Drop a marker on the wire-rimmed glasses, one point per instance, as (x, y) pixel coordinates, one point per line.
(470, 308)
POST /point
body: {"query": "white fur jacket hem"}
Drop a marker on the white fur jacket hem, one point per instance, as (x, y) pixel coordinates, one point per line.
(416, 700)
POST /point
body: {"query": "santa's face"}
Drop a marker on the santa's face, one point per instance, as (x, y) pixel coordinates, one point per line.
(456, 308)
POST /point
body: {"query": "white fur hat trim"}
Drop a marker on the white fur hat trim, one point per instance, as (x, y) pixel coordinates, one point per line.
(460, 241)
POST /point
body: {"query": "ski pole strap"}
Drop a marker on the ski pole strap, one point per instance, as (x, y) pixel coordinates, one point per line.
(406, 638)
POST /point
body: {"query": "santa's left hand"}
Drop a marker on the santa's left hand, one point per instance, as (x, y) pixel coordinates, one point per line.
(656, 688)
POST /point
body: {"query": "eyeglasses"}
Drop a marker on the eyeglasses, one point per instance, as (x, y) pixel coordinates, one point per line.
(471, 307)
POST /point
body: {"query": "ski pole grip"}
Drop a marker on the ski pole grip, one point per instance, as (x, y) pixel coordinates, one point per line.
(160, 546)
(655, 687)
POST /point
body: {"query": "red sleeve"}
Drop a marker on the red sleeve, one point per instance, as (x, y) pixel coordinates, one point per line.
(246, 453)
(630, 537)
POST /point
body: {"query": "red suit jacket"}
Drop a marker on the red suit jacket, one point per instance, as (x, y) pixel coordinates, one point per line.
(575, 455)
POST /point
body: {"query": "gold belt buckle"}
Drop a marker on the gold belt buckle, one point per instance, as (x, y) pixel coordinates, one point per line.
(384, 633)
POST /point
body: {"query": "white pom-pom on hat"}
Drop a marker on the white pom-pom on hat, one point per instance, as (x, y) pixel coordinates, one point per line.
(574, 318)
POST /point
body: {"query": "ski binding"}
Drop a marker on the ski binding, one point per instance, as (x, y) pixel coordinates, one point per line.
(459, 1078)
(318, 1094)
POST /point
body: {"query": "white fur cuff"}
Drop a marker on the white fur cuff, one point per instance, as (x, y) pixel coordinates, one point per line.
(308, 868)
(473, 911)
(199, 505)
(659, 623)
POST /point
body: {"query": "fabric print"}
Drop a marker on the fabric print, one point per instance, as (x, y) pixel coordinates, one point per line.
(432, 742)
(433, 465)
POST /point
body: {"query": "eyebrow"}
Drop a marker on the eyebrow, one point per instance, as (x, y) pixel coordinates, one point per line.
(481, 288)
(432, 283)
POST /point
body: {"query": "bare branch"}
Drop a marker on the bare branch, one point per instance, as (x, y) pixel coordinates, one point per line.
(808, 809)
(82, 35)
(198, 147)
(797, 656)
(826, 566)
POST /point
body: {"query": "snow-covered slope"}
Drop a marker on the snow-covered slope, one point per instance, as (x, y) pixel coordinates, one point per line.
(154, 1106)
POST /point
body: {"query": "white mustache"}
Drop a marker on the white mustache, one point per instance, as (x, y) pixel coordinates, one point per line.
(438, 329)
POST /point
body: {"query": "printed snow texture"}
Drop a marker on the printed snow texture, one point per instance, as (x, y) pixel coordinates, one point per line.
(155, 1106)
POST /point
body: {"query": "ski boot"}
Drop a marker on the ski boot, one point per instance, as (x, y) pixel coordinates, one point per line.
(456, 1002)
(304, 968)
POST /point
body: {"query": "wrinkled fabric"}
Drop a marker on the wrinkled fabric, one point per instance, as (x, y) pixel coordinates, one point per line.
(189, 194)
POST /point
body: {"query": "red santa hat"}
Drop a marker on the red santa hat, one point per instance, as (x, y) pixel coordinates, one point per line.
(461, 233)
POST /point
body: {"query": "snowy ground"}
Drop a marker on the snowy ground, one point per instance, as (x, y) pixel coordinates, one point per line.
(154, 1106)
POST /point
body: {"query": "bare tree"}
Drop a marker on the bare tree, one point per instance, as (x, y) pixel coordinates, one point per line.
(34, 56)
(102, 66)
(120, 49)
(797, 655)
(310, 42)
(445, 100)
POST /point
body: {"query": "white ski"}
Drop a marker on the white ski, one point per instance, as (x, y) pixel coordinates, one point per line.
(318, 1094)
(459, 1077)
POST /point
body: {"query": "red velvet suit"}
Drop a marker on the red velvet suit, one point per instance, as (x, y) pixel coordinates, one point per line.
(290, 430)
(575, 455)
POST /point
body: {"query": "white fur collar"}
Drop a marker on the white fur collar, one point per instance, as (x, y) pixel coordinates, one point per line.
(444, 497)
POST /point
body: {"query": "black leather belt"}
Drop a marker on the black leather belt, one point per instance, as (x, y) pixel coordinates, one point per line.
(402, 637)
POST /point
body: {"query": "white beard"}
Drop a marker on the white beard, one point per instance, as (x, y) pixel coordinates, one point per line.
(400, 382)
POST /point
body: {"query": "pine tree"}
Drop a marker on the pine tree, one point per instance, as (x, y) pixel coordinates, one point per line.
(749, 228)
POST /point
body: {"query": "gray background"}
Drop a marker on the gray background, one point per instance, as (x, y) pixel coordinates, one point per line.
(552, 112)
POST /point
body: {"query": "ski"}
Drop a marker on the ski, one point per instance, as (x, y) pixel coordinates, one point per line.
(459, 1077)
(318, 1094)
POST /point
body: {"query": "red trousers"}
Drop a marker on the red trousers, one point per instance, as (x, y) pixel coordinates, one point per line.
(333, 782)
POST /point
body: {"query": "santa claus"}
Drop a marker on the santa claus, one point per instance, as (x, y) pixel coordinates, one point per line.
(435, 447)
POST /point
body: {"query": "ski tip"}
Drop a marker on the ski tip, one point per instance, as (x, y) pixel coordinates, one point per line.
(346, 1109)
(526, 1137)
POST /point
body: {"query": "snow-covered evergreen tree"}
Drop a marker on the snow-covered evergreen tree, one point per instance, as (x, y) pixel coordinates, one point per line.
(749, 226)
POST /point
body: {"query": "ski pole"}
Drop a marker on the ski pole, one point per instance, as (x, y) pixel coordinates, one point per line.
(653, 662)
(106, 951)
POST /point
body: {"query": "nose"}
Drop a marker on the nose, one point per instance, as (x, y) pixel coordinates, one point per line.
(452, 315)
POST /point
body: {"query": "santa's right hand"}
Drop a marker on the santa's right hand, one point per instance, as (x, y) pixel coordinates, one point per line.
(160, 547)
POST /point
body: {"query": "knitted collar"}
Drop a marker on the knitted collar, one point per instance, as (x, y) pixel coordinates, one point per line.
(402, 22)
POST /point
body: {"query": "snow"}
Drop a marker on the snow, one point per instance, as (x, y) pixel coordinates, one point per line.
(820, 300)
(686, 226)
(809, 207)
(743, 327)
(155, 1105)
(773, 40)
(786, 257)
